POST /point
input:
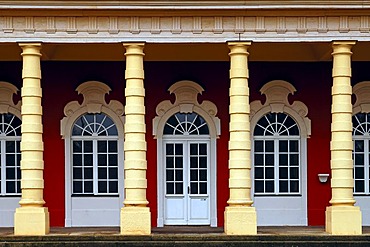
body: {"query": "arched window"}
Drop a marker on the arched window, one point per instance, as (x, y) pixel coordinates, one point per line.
(95, 155)
(186, 124)
(10, 154)
(93, 134)
(276, 155)
(186, 133)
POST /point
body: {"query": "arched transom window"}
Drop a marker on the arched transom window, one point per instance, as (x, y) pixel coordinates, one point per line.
(186, 124)
(361, 150)
(10, 155)
(276, 155)
(95, 155)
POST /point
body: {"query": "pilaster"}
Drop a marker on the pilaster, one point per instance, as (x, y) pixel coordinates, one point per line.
(342, 217)
(31, 218)
(135, 215)
(240, 216)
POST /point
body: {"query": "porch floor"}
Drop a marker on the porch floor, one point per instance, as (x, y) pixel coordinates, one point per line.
(185, 236)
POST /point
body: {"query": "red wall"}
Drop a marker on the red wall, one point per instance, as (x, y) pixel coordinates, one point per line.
(60, 79)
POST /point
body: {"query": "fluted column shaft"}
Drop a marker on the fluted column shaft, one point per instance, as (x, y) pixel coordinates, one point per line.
(240, 216)
(342, 217)
(135, 215)
(32, 163)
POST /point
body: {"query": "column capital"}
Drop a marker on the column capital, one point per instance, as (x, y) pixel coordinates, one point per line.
(138, 45)
(239, 43)
(349, 43)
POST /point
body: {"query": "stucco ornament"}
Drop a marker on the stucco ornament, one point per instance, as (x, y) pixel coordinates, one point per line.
(7, 105)
(186, 93)
(362, 92)
(93, 102)
(277, 93)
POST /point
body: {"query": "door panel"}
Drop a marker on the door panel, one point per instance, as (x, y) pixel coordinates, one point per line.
(187, 183)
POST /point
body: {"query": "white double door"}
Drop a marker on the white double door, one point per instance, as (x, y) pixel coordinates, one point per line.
(186, 178)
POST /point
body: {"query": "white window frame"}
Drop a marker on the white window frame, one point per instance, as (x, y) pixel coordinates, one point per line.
(186, 93)
(94, 102)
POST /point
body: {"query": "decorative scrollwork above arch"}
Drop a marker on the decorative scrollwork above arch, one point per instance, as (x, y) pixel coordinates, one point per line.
(362, 92)
(277, 93)
(93, 102)
(186, 93)
(7, 90)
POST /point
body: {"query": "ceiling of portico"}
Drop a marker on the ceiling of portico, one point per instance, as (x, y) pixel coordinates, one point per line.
(308, 52)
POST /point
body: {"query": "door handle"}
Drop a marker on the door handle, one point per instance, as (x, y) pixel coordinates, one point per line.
(188, 190)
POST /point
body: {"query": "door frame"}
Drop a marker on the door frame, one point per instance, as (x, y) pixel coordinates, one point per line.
(211, 190)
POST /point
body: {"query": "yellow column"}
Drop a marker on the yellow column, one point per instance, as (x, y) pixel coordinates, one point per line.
(240, 216)
(135, 215)
(342, 217)
(31, 218)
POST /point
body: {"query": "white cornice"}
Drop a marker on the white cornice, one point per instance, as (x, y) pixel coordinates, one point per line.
(182, 5)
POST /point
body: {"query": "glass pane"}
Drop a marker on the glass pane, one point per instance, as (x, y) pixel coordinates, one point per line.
(88, 160)
(259, 186)
(77, 146)
(193, 162)
(269, 146)
(170, 188)
(258, 159)
(258, 172)
(88, 186)
(269, 173)
(193, 175)
(10, 173)
(102, 160)
(169, 162)
(294, 159)
(178, 174)
(359, 146)
(359, 159)
(283, 173)
(269, 186)
(77, 173)
(203, 175)
(178, 149)
(10, 147)
(88, 173)
(170, 175)
(193, 188)
(102, 187)
(193, 149)
(359, 186)
(294, 174)
(77, 186)
(10, 159)
(294, 186)
(178, 162)
(269, 160)
(113, 173)
(112, 147)
(102, 146)
(283, 146)
(203, 188)
(10, 187)
(102, 173)
(179, 188)
(77, 160)
(283, 186)
(258, 146)
(203, 162)
(203, 149)
(293, 146)
(169, 149)
(88, 146)
(113, 187)
(113, 159)
(283, 159)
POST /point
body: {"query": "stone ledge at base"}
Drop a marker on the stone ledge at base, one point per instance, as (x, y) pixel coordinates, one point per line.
(186, 240)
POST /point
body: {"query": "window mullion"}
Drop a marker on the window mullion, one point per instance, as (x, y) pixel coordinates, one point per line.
(366, 165)
(95, 167)
(3, 167)
(276, 165)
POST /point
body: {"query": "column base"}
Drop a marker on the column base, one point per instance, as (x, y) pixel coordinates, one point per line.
(135, 221)
(240, 220)
(343, 220)
(31, 221)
